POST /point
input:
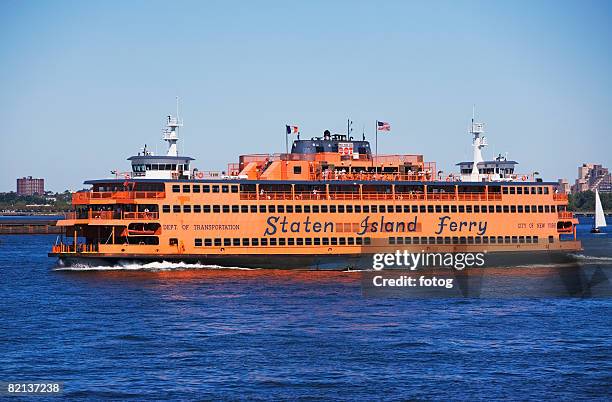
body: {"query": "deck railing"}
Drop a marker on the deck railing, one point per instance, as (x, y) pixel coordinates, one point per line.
(86, 196)
(560, 197)
(71, 248)
(141, 215)
(92, 215)
(565, 215)
(271, 196)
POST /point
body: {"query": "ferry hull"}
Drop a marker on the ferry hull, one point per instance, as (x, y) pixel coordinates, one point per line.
(304, 261)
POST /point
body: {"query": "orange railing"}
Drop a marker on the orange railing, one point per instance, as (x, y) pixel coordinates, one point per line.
(85, 197)
(560, 197)
(371, 196)
(565, 215)
(324, 176)
(71, 248)
(141, 215)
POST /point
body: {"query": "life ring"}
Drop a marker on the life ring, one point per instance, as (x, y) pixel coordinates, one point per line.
(448, 179)
(524, 178)
(199, 175)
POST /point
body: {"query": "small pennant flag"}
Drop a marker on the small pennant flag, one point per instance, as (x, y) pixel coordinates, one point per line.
(292, 129)
(383, 126)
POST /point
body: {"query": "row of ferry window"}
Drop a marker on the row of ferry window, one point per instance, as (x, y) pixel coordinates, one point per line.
(466, 240)
(360, 208)
(196, 188)
(358, 241)
(290, 241)
(215, 188)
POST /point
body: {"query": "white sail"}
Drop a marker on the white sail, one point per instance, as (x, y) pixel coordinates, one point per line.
(600, 219)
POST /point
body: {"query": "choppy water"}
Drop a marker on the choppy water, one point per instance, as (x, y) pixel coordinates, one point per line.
(164, 331)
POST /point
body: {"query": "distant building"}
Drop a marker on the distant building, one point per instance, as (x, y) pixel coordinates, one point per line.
(591, 177)
(563, 186)
(30, 186)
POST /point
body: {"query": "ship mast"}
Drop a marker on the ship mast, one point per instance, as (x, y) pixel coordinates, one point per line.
(172, 130)
(478, 142)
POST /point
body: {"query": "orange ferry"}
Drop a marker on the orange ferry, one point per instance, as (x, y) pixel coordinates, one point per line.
(327, 204)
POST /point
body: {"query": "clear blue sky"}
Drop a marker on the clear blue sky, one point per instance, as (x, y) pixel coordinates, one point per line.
(85, 84)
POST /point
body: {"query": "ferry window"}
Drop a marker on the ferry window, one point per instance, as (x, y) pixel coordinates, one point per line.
(527, 208)
(298, 209)
(507, 239)
(483, 209)
(423, 240)
(225, 209)
(196, 188)
(391, 240)
(553, 208)
(415, 209)
(262, 209)
(521, 239)
(324, 209)
(342, 241)
(197, 209)
(207, 242)
(381, 209)
(206, 209)
(539, 190)
(533, 209)
(512, 190)
(514, 240)
(506, 209)
(406, 209)
(477, 209)
(358, 209)
(545, 190)
(430, 208)
(519, 190)
(176, 188)
(492, 240)
(234, 189)
(254, 242)
(148, 167)
(187, 208)
(325, 241)
(540, 208)
(390, 208)
(504, 190)
(462, 240)
(291, 241)
(173, 166)
(446, 209)
(245, 241)
(438, 209)
(215, 189)
(225, 189)
(439, 240)
(546, 208)
(281, 241)
(512, 209)
(498, 209)
(272, 208)
(206, 189)
(227, 242)
(273, 242)
(176, 209)
(317, 241)
(527, 239)
(374, 209)
(245, 209)
(166, 209)
(186, 188)
(533, 190)
(198, 242)
(173, 241)
(366, 209)
(340, 209)
(468, 209)
(307, 209)
(359, 241)
(536, 239)
(297, 170)
(253, 209)
(308, 241)
(520, 209)
(217, 242)
(235, 242)
(235, 209)
(351, 241)
(461, 209)
(332, 209)
(349, 209)
(216, 209)
(478, 239)
(398, 208)
(334, 241)
(491, 209)
(432, 240)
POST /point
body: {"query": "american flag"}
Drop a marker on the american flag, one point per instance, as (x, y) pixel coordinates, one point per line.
(383, 126)
(292, 129)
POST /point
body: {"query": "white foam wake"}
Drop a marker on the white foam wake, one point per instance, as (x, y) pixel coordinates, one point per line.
(150, 266)
(592, 258)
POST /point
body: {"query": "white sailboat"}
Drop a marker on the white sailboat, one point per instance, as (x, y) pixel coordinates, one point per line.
(600, 218)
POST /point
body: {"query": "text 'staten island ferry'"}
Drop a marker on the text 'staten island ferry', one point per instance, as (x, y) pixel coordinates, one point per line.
(324, 205)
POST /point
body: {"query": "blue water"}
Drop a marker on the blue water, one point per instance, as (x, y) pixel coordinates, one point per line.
(259, 334)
